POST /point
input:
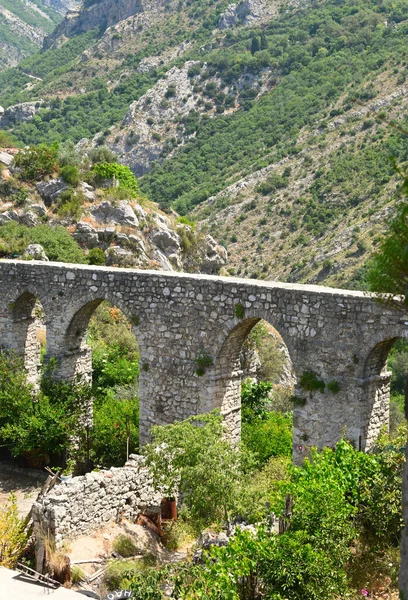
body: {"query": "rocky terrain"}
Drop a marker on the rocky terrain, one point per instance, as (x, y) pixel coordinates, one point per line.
(229, 113)
(24, 25)
(131, 233)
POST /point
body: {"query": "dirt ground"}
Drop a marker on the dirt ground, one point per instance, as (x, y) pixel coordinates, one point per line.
(24, 483)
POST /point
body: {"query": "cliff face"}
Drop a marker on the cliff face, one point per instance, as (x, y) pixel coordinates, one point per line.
(103, 14)
(62, 6)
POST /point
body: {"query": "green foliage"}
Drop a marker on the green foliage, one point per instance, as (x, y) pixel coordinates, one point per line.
(271, 437)
(310, 381)
(269, 349)
(70, 174)
(388, 272)
(333, 386)
(203, 362)
(7, 140)
(120, 172)
(96, 256)
(194, 457)
(254, 398)
(13, 539)
(115, 420)
(56, 241)
(239, 311)
(36, 162)
(102, 154)
(70, 203)
(124, 545)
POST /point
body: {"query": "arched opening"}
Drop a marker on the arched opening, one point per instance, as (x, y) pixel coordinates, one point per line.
(254, 384)
(29, 334)
(384, 384)
(101, 351)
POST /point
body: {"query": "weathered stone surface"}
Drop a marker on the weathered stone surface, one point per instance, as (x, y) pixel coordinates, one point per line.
(50, 190)
(6, 158)
(122, 214)
(20, 113)
(247, 12)
(81, 504)
(342, 335)
(29, 218)
(36, 252)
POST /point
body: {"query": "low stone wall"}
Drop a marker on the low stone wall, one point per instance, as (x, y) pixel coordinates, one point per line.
(81, 504)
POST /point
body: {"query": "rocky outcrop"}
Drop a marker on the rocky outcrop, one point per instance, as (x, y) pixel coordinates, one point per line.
(122, 214)
(153, 119)
(102, 14)
(248, 12)
(62, 6)
(20, 113)
(50, 190)
(35, 252)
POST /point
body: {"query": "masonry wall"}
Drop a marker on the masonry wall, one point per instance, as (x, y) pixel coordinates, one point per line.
(79, 505)
(343, 336)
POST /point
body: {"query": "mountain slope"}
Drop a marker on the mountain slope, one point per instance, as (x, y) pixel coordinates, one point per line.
(24, 25)
(271, 125)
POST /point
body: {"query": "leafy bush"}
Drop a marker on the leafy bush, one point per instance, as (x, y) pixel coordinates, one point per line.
(311, 382)
(271, 437)
(70, 203)
(12, 536)
(254, 398)
(124, 546)
(103, 154)
(96, 256)
(70, 174)
(120, 172)
(37, 162)
(194, 458)
(115, 421)
(56, 241)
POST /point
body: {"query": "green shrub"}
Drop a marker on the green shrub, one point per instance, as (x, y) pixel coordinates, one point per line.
(70, 203)
(310, 381)
(123, 174)
(239, 311)
(200, 463)
(103, 154)
(56, 241)
(271, 437)
(333, 386)
(36, 162)
(96, 256)
(70, 174)
(254, 398)
(125, 546)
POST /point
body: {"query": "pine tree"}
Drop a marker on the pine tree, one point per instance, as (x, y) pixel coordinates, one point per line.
(255, 46)
(264, 41)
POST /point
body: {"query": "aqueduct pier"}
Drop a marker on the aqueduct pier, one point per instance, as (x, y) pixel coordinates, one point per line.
(188, 323)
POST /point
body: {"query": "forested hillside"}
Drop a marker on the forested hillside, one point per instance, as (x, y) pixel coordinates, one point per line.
(272, 124)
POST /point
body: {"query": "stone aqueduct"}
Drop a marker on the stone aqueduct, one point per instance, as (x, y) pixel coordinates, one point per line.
(343, 336)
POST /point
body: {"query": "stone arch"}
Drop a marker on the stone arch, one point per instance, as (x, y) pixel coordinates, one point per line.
(375, 393)
(28, 320)
(228, 373)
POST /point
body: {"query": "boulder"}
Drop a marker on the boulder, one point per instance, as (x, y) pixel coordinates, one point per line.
(122, 214)
(4, 218)
(213, 257)
(167, 241)
(6, 158)
(38, 209)
(50, 190)
(21, 113)
(35, 252)
(115, 255)
(29, 218)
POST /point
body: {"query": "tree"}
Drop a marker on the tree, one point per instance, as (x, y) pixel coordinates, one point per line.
(255, 45)
(388, 274)
(193, 458)
(264, 41)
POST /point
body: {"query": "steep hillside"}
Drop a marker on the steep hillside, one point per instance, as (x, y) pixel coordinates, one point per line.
(270, 123)
(24, 24)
